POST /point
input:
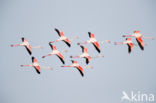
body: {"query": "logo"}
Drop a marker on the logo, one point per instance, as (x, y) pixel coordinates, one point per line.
(137, 97)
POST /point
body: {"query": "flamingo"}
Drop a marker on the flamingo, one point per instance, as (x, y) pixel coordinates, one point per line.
(139, 37)
(93, 41)
(35, 65)
(56, 52)
(26, 44)
(76, 65)
(63, 38)
(129, 43)
(85, 55)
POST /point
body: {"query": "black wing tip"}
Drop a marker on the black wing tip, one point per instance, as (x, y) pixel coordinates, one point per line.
(22, 38)
(72, 61)
(33, 57)
(81, 46)
(89, 32)
(82, 74)
(50, 44)
(99, 51)
(87, 61)
(63, 62)
(30, 53)
(56, 29)
(38, 72)
(28, 50)
(142, 48)
(68, 44)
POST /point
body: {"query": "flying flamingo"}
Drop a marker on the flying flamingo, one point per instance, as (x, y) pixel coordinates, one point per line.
(27, 45)
(35, 65)
(139, 37)
(76, 65)
(93, 41)
(55, 52)
(85, 55)
(129, 43)
(63, 38)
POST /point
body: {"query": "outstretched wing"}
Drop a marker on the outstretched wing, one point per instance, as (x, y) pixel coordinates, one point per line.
(80, 70)
(97, 46)
(28, 47)
(91, 35)
(37, 68)
(130, 47)
(59, 32)
(61, 57)
(67, 42)
(140, 43)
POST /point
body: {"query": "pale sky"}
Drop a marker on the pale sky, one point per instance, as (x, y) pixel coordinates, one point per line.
(108, 19)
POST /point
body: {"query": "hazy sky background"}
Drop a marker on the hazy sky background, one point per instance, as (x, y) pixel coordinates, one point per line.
(107, 19)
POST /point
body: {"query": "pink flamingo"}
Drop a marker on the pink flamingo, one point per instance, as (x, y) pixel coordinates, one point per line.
(139, 37)
(27, 45)
(63, 38)
(93, 41)
(35, 65)
(85, 55)
(56, 52)
(129, 43)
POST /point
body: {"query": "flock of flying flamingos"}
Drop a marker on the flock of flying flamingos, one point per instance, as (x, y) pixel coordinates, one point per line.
(84, 54)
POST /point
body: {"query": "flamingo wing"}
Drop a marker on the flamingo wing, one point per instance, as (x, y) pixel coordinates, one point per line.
(82, 48)
(28, 47)
(61, 57)
(97, 46)
(80, 69)
(67, 42)
(59, 32)
(130, 47)
(91, 35)
(37, 68)
(140, 43)
(52, 46)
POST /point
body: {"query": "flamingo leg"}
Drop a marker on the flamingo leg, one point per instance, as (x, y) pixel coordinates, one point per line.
(74, 37)
(64, 51)
(67, 66)
(151, 38)
(39, 46)
(98, 56)
(48, 67)
(88, 66)
(106, 41)
(118, 43)
(29, 65)
(127, 36)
